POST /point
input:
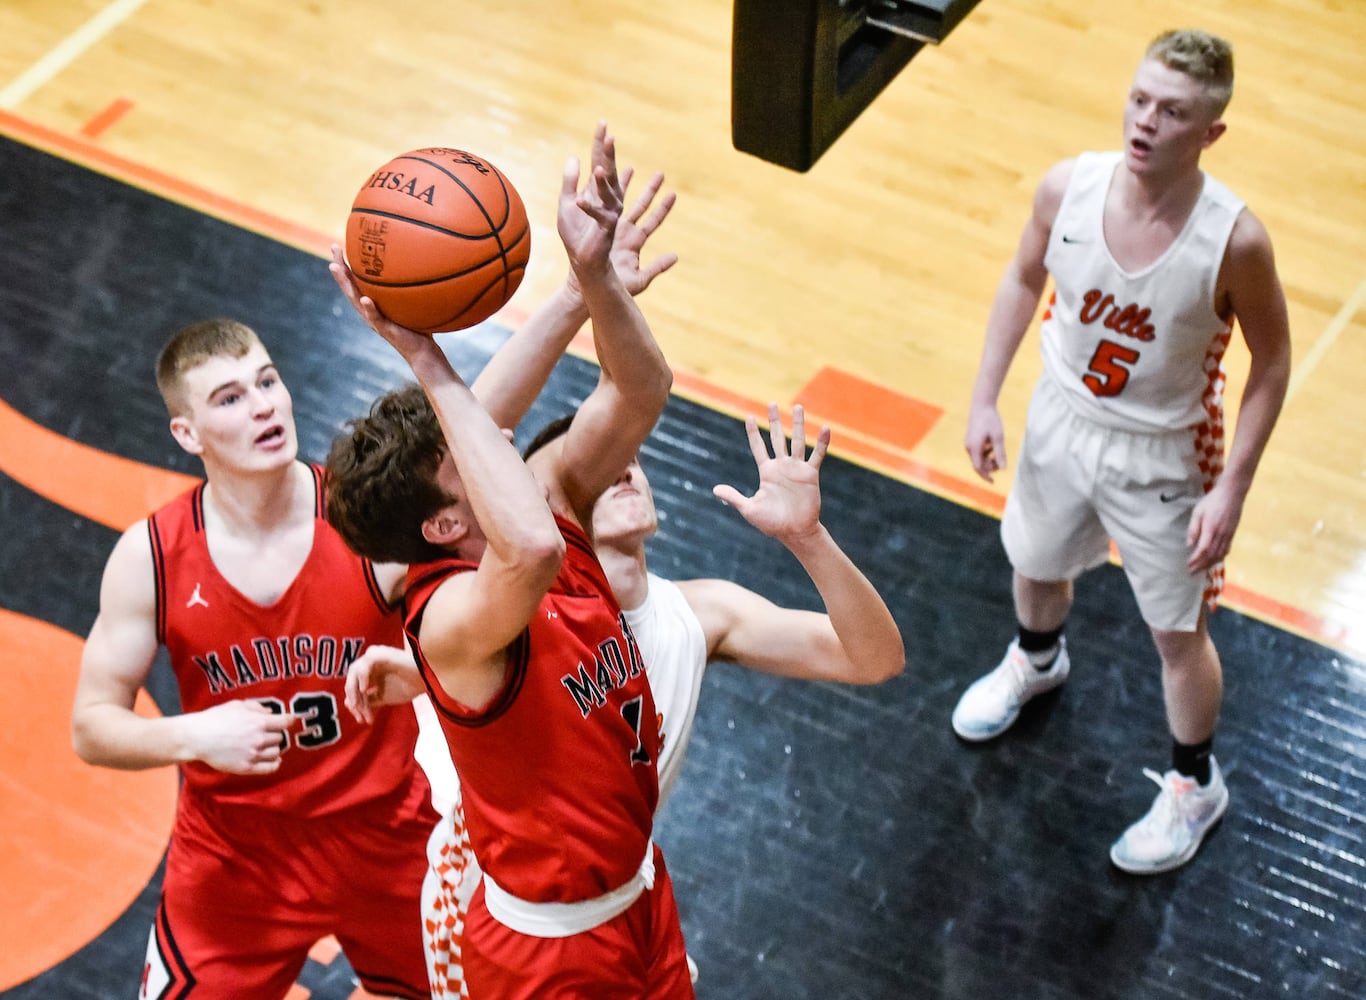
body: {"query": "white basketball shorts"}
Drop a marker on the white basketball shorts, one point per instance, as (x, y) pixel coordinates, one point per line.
(1079, 485)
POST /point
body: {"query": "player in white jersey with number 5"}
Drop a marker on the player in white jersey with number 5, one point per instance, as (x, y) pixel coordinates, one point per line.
(1152, 261)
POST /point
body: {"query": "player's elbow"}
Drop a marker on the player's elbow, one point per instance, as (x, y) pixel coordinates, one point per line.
(896, 664)
(539, 558)
(871, 665)
(882, 667)
(652, 392)
(85, 737)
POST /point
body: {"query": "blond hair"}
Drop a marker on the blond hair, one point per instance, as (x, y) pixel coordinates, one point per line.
(191, 347)
(1201, 56)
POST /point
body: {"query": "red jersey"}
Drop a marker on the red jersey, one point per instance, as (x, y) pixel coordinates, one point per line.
(292, 656)
(557, 772)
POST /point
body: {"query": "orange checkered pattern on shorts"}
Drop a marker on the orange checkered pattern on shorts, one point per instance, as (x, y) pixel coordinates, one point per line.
(445, 914)
(1209, 442)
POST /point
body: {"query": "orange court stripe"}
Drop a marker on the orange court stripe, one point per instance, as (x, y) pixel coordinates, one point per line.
(880, 458)
(166, 186)
(101, 122)
(107, 489)
(718, 398)
(871, 409)
(1292, 619)
(103, 831)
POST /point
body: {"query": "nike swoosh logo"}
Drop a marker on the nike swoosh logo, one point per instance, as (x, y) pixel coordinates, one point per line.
(1072, 239)
(1168, 497)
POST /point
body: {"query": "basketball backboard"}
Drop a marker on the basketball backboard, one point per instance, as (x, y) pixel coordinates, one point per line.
(803, 70)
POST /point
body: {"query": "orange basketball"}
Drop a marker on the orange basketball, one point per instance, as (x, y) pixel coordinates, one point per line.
(438, 238)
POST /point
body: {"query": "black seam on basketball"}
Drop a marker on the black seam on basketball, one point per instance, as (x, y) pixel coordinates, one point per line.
(474, 198)
(452, 319)
(438, 278)
(381, 213)
(495, 231)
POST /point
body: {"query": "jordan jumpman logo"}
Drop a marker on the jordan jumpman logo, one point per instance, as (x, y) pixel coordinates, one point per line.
(196, 598)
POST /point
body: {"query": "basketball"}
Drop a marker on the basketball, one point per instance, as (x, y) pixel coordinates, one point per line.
(438, 238)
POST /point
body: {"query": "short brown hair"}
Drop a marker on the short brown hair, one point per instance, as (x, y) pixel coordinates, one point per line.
(1201, 56)
(190, 347)
(381, 479)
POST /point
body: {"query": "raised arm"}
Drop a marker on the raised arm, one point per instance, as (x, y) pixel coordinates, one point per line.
(497, 517)
(856, 641)
(634, 379)
(518, 371)
(242, 736)
(1012, 310)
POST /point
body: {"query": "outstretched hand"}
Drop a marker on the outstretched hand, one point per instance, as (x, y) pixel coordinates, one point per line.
(587, 218)
(787, 504)
(634, 228)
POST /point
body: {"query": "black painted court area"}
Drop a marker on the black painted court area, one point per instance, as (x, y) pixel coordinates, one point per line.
(825, 842)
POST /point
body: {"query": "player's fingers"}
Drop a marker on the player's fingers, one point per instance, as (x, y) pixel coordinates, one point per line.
(267, 745)
(369, 311)
(1196, 526)
(569, 183)
(1204, 541)
(279, 722)
(775, 431)
(599, 134)
(609, 155)
(729, 495)
(359, 698)
(821, 446)
(998, 452)
(596, 211)
(660, 213)
(799, 431)
(658, 266)
(642, 205)
(343, 280)
(980, 457)
(609, 190)
(757, 448)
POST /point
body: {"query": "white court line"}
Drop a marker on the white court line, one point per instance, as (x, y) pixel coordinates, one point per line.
(67, 51)
(1301, 370)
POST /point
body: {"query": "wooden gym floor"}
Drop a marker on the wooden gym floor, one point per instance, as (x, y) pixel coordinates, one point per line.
(826, 842)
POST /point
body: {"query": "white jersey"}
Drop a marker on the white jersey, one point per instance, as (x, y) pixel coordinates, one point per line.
(434, 757)
(674, 649)
(1139, 350)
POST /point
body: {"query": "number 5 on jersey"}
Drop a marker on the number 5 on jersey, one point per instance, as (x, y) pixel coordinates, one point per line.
(1109, 368)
